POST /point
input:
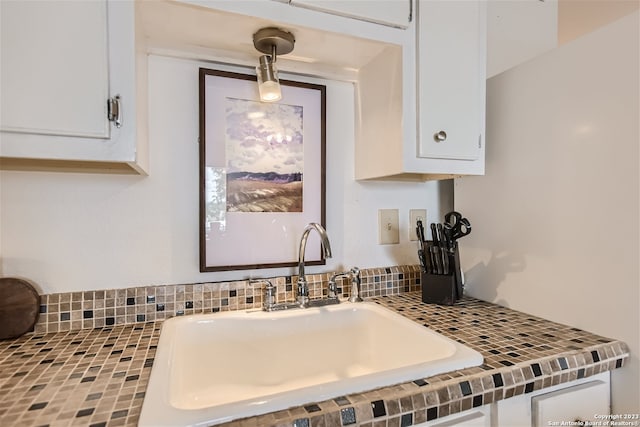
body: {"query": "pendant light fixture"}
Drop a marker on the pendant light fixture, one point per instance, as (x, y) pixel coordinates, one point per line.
(272, 42)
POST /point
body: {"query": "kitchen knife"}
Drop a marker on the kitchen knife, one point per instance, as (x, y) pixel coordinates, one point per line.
(420, 233)
(435, 250)
(444, 253)
(434, 234)
(424, 259)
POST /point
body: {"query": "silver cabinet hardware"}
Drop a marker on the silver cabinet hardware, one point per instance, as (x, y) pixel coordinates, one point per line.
(440, 136)
(114, 111)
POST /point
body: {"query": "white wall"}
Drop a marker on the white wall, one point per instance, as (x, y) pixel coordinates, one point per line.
(70, 232)
(556, 218)
(518, 31)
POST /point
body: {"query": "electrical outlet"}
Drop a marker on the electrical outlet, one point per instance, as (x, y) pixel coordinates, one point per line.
(388, 228)
(414, 216)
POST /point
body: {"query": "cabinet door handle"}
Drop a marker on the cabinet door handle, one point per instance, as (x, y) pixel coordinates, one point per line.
(440, 136)
(114, 111)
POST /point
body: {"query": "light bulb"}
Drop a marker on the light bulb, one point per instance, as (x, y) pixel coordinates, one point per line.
(270, 91)
(268, 84)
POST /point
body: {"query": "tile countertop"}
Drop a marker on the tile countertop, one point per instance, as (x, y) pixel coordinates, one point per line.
(98, 377)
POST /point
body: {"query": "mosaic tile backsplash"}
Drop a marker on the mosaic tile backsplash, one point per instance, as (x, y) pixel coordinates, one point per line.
(96, 309)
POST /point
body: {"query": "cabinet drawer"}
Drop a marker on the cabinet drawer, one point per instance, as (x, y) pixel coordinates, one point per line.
(394, 13)
(577, 403)
(477, 417)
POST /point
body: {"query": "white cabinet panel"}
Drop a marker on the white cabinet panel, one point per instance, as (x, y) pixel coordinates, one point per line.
(477, 417)
(581, 399)
(61, 62)
(473, 419)
(396, 13)
(438, 84)
(577, 403)
(55, 72)
(451, 79)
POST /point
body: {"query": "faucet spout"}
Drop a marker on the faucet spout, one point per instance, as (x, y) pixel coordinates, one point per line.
(303, 289)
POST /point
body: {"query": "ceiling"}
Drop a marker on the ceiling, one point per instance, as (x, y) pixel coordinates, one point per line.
(180, 29)
(579, 17)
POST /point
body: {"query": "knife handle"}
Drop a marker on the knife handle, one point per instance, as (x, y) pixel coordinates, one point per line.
(420, 231)
(438, 260)
(445, 261)
(443, 245)
(434, 234)
(422, 260)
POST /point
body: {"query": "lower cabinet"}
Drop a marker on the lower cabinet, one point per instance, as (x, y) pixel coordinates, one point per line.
(578, 401)
(573, 403)
(476, 417)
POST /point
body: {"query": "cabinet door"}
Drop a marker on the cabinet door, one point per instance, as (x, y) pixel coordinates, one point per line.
(54, 68)
(577, 403)
(478, 417)
(395, 13)
(451, 78)
(580, 399)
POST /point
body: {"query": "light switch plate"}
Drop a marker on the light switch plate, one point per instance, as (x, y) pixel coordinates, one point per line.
(414, 216)
(388, 228)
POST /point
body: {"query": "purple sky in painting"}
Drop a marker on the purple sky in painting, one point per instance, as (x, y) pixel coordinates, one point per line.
(263, 137)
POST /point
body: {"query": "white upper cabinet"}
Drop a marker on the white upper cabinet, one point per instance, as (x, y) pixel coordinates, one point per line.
(421, 107)
(451, 80)
(61, 63)
(58, 49)
(416, 79)
(394, 13)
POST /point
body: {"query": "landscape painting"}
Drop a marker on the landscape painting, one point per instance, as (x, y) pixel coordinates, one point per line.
(264, 156)
(262, 172)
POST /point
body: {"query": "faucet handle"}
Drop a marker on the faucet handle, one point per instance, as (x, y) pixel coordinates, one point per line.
(355, 285)
(333, 287)
(269, 300)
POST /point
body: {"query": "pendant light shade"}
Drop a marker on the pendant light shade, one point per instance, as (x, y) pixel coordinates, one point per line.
(272, 42)
(268, 83)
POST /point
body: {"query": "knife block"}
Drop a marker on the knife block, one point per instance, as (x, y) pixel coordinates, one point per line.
(444, 289)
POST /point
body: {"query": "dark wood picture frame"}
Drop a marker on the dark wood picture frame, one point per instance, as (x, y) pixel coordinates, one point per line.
(235, 235)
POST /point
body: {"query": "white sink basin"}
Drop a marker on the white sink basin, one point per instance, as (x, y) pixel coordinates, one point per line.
(214, 368)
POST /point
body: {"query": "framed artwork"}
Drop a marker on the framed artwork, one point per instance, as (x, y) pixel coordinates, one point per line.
(262, 172)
